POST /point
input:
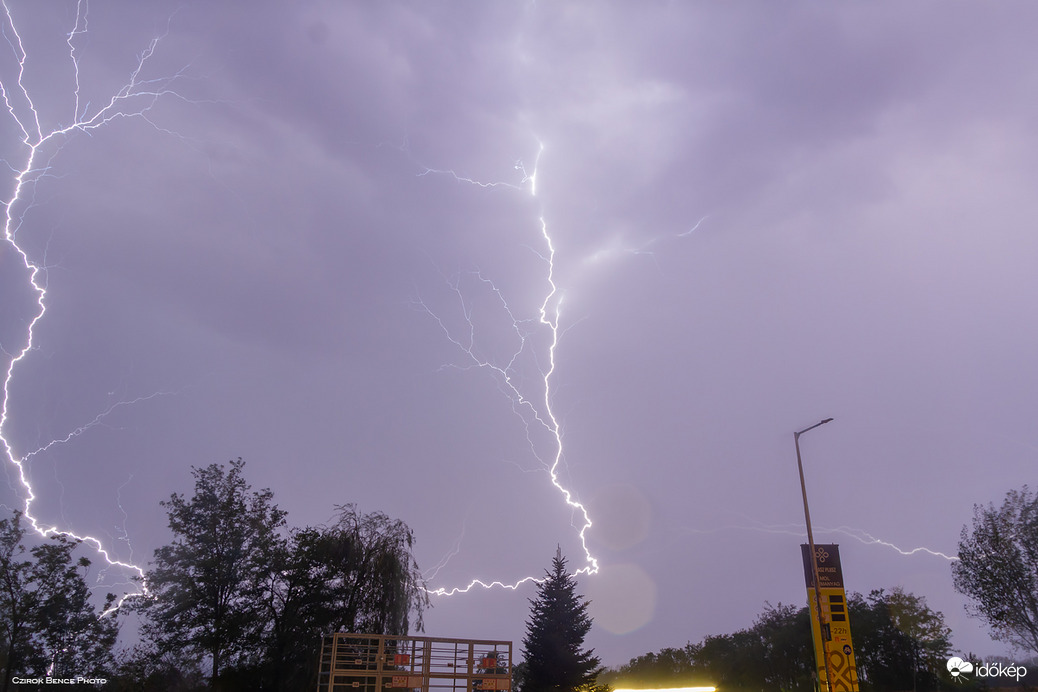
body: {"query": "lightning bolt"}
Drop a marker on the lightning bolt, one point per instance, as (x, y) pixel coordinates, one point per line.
(869, 539)
(135, 99)
(96, 421)
(859, 535)
(431, 573)
(616, 247)
(533, 410)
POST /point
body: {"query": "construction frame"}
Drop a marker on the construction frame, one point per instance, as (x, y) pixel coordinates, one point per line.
(398, 663)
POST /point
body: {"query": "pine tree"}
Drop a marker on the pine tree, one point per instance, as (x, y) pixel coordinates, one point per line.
(555, 660)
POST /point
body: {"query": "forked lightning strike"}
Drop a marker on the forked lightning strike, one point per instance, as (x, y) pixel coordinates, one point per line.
(96, 421)
(135, 99)
(857, 534)
(869, 539)
(529, 410)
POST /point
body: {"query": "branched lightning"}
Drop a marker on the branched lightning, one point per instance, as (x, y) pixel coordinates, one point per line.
(857, 534)
(532, 410)
(135, 99)
(430, 574)
(692, 230)
(519, 166)
(869, 539)
(471, 181)
(616, 247)
(96, 421)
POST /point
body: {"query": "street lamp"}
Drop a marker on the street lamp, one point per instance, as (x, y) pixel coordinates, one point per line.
(814, 561)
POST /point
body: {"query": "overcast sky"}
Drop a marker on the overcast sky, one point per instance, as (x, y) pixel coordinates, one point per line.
(326, 245)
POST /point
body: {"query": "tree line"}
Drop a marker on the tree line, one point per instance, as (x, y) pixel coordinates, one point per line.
(239, 601)
(248, 602)
(900, 643)
(235, 602)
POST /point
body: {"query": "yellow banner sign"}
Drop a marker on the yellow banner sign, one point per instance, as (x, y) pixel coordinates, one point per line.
(832, 631)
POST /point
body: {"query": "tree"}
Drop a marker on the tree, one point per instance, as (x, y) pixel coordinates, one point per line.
(372, 579)
(899, 644)
(207, 585)
(785, 634)
(774, 654)
(670, 667)
(357, 575)
(881, 653)
(47, 624)
(237, 594)
(998, 568)
(559, 621)
(141, 669)
(928, 638)
(731, 661)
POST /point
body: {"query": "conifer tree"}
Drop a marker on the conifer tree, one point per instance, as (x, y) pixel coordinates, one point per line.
(555, 660)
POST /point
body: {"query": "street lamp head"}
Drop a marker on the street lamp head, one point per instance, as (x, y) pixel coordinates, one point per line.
(797, 435)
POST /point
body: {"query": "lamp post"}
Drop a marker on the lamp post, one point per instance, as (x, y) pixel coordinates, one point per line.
(814, 560)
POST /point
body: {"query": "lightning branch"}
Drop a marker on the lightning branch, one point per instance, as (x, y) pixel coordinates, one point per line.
(533, 409)
(39, 146)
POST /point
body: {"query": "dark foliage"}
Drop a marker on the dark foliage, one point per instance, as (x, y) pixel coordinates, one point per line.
(554, 657)
(900, 644)
(236, 594)
(142, 669)
(208, 583)
(998, 568)
(357, 575)
(47, 623)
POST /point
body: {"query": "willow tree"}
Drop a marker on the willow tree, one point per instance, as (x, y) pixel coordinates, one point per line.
(358, 574)
(251, 601)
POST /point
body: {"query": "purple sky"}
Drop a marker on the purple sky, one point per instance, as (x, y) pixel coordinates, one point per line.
(287, 256)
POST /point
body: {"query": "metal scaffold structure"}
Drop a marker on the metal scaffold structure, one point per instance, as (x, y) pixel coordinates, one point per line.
(394, 663)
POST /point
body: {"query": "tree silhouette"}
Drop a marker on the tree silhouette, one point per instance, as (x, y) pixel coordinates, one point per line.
(899, 644)
(207, 585)
(357, 575)
(237, 594)
(998, 567)
(555, 660)
(47, 623)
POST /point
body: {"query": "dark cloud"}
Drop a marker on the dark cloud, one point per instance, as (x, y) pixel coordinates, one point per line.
(270, 261)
